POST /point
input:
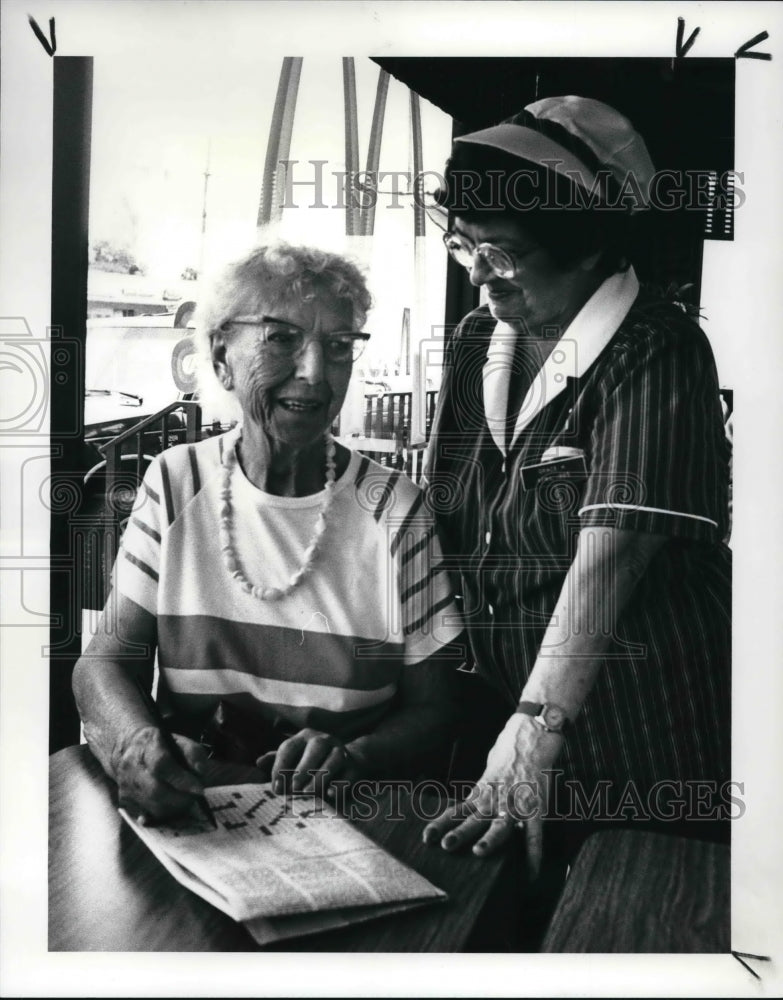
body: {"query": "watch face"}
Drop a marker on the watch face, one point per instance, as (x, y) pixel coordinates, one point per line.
(553, 716)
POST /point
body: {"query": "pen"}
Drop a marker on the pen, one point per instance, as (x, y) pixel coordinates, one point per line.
(172, 746)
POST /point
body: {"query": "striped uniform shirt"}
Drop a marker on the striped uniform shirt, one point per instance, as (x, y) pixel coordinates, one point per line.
(330, 654)
(629, 434)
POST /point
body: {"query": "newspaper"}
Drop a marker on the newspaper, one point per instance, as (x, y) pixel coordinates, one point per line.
(277, 856)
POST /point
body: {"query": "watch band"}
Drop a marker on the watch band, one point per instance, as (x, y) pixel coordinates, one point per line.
(540, 711)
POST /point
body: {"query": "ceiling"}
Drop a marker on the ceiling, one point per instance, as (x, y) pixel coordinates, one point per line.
(684, 108)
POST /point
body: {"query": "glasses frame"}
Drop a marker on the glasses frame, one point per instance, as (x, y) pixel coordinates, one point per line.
(439, 215)
(359, 338)
(484, 250)
(435, 212)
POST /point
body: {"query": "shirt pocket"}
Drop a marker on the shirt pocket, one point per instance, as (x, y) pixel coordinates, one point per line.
(551, 495)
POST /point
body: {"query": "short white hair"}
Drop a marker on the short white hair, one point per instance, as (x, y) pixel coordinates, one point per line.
(261, 280)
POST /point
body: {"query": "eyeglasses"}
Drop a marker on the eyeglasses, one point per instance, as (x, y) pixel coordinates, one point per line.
(501, 261)
(287, 340)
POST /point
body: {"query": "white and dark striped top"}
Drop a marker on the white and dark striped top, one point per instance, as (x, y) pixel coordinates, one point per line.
(330, 654)
(633, 438)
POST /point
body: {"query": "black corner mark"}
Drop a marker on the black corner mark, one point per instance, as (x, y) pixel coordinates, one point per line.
(740, 955)
(743, 53)
(683, 50)
(50, 46)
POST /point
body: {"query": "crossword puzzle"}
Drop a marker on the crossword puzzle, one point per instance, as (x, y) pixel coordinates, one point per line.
(253, 808)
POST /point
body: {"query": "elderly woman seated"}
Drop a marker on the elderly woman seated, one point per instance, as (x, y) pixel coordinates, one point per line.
(274, 572)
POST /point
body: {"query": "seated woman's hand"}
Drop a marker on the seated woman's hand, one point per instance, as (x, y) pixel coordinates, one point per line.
(150, 782)
(308, 761)
(511, 793)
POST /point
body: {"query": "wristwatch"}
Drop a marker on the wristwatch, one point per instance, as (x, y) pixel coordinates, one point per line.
(550, 717)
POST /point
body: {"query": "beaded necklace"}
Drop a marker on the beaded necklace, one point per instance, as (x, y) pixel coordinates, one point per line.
(230, 557)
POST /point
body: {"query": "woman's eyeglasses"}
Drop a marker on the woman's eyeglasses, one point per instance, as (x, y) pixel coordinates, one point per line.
(503, 262)
(287, 340)
(464, 252)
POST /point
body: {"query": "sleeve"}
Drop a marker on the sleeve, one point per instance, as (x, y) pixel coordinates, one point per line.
(137, 567)
(459, 411)
(657, 451)
(429, 617)
(443, 418)
(458, 428)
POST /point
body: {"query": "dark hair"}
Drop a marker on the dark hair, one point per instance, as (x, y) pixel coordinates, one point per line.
(558, 214)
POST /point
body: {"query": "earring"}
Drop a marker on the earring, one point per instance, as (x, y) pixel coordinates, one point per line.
(228, 382)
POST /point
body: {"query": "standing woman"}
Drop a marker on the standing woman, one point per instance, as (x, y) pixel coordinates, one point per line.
(579, 463)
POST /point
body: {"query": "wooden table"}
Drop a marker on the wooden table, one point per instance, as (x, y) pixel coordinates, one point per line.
(630, 891)
(107, 892)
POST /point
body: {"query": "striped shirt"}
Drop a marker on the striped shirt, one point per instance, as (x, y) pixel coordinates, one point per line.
(630, 436)
(330, 654)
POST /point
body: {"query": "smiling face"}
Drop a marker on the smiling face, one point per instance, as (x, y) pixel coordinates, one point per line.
(539, 293)
(295, 398)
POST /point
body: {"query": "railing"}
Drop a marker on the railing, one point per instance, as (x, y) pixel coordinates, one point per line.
(388, 442)
(157, 425)
(389, 416)
(393, 454)
(388, 419)
(126, 457)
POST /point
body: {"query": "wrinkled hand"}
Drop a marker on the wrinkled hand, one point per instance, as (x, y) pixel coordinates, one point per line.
(308, 761)
(510, 794)
(150, 782)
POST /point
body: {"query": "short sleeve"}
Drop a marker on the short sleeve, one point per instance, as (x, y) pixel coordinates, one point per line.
(137, 568)
(429, 617)
(657, 449)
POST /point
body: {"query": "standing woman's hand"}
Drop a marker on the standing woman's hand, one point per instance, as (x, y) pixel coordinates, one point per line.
(511, 793)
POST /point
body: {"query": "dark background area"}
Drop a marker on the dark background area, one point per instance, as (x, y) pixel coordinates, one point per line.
(71, 139)
(684, 109)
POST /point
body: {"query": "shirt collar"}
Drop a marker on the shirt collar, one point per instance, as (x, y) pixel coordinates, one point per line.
(580, 344)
